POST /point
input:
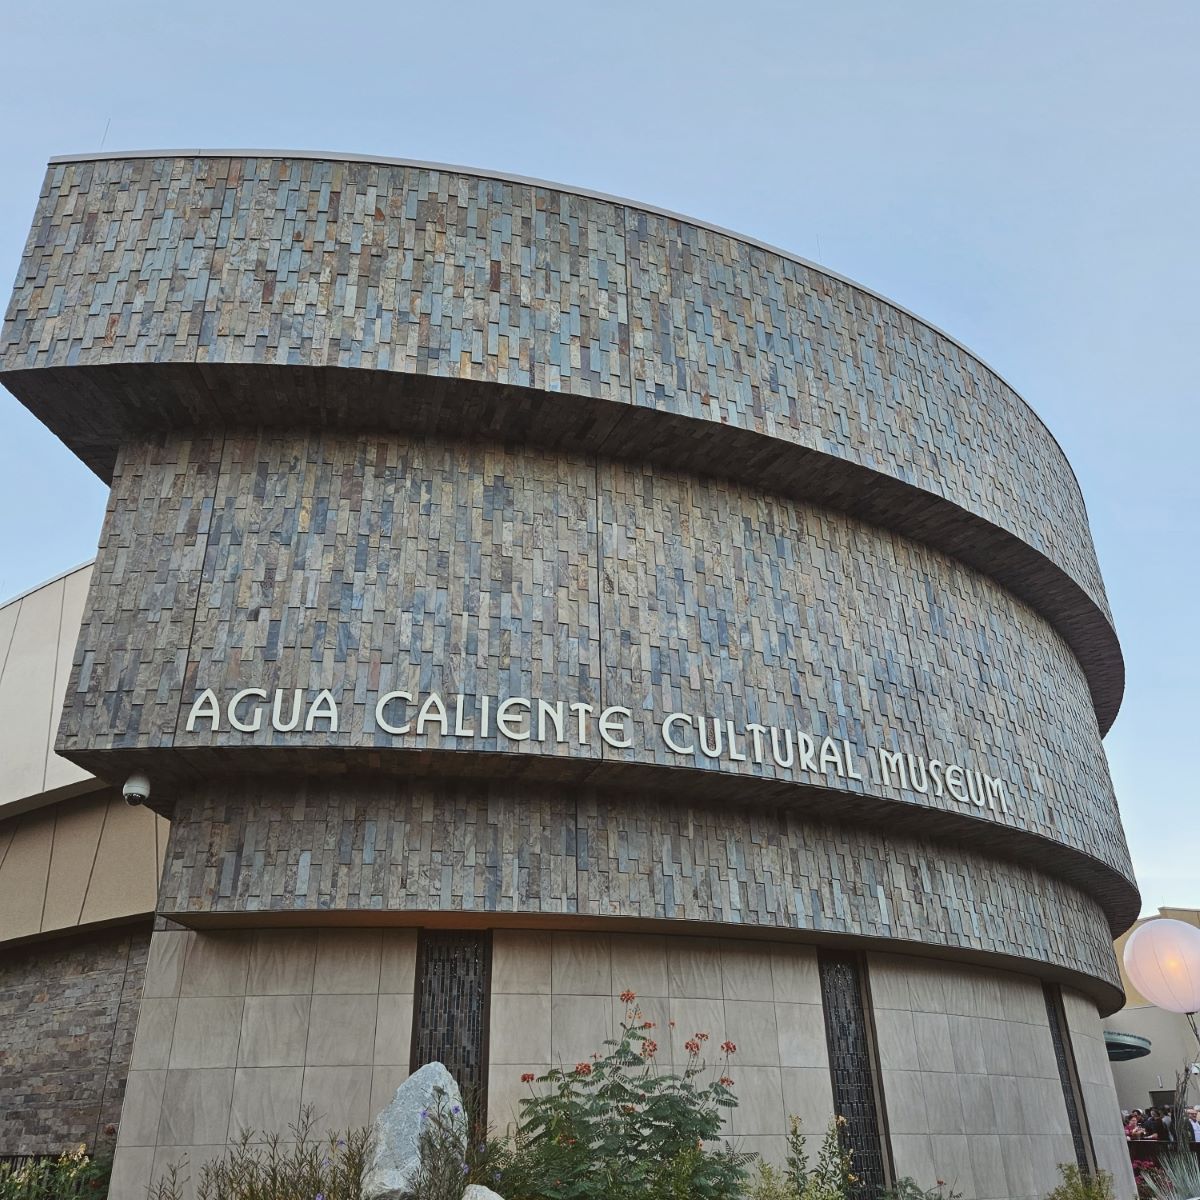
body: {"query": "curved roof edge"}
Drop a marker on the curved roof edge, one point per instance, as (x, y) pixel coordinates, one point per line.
(37, 587)
(591, 194)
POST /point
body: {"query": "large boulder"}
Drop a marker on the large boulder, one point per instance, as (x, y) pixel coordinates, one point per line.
(394, 1155)
(476, 1191)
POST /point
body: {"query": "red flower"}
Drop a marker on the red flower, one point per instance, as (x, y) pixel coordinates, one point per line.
(583, 1068)
(647, 1024)
(728, 1047)
(725, 1081)
(527, 1077)
(692, 1046)
(702, 1037)
(628, 997)
(649, 1049)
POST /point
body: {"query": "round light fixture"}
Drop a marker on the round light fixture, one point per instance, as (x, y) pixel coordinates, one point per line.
(1163, 961)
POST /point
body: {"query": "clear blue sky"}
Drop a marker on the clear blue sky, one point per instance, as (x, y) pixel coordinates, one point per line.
(1024, 175)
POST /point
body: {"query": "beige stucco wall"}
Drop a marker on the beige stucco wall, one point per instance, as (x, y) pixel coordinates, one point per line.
(38, 632)
(556, 997)
(242, 1029)
(82, 861)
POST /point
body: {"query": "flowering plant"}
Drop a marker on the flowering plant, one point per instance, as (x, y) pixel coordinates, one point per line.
(75, 1173)
(619, 1127)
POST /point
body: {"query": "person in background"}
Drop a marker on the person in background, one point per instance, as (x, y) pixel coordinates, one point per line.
(1191, 1126)
(1134, 1129)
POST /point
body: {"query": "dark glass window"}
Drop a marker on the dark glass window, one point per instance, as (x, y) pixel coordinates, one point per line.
(852, 1068)
(1063, 1056)
(450, 1012)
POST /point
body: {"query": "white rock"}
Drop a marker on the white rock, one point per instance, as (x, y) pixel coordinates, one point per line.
(394, 1156)
(476, 1191)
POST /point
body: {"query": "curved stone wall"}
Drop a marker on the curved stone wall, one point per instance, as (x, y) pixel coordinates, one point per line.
(440, 274)
(365, 566)
(381, 848)
(435, 476)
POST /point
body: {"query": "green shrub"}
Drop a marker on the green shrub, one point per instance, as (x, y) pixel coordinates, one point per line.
(1076, 1185)
(331, 1168)
(69, 1175)
(830, 1178)
(617, 1128)
(451, 1157)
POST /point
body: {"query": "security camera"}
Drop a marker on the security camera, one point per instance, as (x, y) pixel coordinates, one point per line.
(136, 790)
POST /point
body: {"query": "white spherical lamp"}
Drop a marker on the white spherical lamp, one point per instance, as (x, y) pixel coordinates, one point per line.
(1163, 961)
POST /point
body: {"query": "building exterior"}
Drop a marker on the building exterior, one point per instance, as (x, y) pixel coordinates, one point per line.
(1172, 1043)
(513, 596)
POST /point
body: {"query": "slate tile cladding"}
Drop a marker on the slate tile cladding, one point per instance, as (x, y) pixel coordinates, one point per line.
(309, 846)
(370, 564)
(445, 274)
(68, 1011)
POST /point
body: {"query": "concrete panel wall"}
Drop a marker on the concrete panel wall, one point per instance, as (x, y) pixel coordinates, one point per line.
(1099, 1092)
(240, 1030)
(970, 1079)
(556, 998)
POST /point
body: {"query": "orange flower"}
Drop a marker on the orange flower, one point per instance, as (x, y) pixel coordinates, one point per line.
(583, 1068)
(628, 997)
(728, 1047)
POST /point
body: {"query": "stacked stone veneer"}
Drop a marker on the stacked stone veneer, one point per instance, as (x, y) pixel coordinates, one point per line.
(68, 1009)
(375, 426)
(489, 852)
(369, 564)
(242, 264)
(445, 274)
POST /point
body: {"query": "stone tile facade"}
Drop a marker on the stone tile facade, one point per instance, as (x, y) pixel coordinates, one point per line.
(240, 1031)
(68, 1009)
(220, 267)
(383, 845)
(365, 564)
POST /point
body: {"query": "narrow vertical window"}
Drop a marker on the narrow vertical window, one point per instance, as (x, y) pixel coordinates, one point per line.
(450, 1015)
(1069, 1078)
(856, 1089)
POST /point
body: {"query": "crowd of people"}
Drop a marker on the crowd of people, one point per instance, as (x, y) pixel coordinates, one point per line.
(1159, 1125)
